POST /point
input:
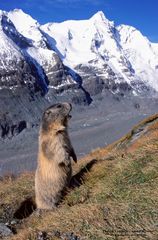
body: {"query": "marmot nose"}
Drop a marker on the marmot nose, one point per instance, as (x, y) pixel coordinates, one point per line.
(68, 105)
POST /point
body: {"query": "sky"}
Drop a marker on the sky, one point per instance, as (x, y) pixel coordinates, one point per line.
(142, 14)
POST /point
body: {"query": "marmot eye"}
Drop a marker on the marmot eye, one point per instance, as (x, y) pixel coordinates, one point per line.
(59, 106)
(47, 113)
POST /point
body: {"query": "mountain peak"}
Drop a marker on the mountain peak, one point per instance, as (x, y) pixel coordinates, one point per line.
(17, 10)
(99, 16)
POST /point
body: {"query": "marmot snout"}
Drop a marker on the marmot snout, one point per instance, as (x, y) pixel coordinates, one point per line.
(53, 172)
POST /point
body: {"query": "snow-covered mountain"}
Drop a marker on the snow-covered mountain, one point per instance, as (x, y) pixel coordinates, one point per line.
(98, 43)
(74, 60)
(74, 51)
(142, 54)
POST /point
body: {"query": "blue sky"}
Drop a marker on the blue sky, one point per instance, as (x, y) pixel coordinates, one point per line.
(142, 14)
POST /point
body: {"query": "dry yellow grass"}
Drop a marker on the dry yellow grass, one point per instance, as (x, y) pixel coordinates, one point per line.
(113, 197)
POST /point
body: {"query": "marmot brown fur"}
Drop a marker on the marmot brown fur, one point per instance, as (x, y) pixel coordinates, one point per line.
(53, 172)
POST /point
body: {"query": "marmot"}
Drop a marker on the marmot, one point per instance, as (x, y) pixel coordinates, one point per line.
(54, 171)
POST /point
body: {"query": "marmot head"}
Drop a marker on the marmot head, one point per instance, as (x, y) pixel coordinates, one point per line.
(56, 117)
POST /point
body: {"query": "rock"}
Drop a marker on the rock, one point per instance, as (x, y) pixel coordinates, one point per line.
(4, 230)
(69, 236)
(57, 234)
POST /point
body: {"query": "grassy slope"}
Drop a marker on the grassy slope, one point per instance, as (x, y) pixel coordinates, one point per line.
(114, 193)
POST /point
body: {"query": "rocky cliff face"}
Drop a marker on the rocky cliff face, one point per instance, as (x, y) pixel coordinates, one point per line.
(73, 60)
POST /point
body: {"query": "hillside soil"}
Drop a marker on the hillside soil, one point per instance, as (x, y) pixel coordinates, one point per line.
(113, 195)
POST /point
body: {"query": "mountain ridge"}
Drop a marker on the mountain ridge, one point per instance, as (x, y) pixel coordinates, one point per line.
(92, 44)
(76, 61)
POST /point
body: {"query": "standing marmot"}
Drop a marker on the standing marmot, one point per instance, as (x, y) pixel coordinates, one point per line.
(53, 173)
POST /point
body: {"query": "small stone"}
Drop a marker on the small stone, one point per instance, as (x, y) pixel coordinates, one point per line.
(13, 222)
(42, 236)
(56, 233)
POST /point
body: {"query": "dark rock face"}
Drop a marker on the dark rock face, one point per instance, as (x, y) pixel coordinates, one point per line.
(56, 73)
(18, 73)
(95, 82)
(10, 130)
(20, 69)
(81, 97)
(94, 85)
(20, 110)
